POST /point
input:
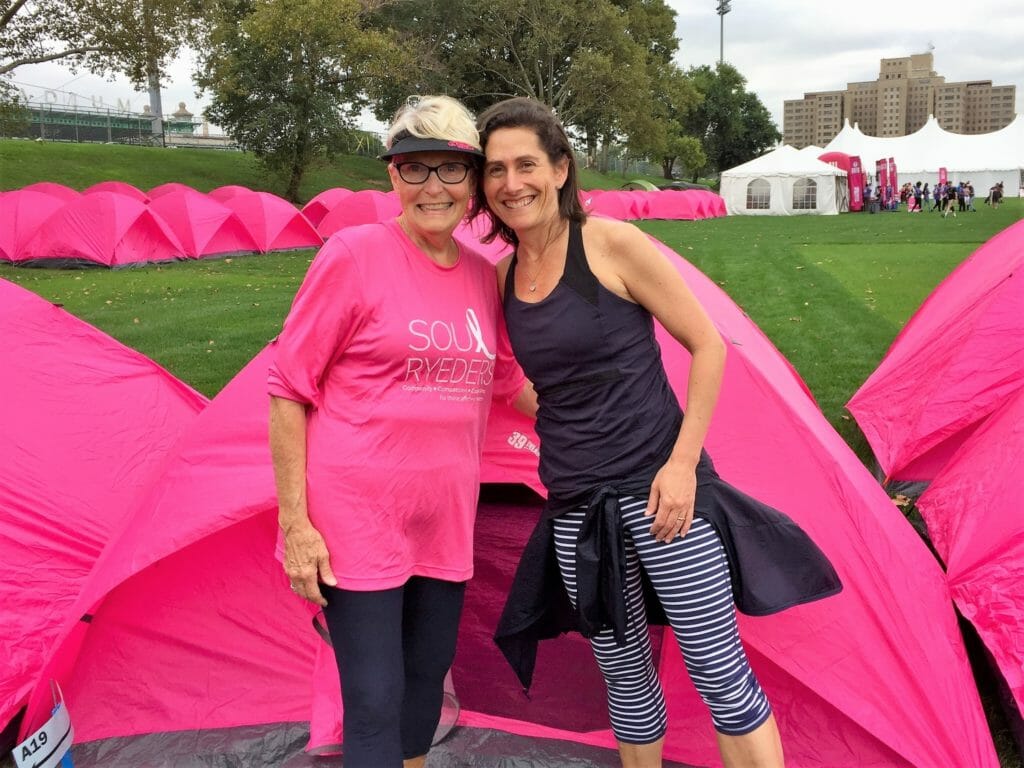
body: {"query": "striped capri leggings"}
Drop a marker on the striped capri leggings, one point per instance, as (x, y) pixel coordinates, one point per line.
(691, 579)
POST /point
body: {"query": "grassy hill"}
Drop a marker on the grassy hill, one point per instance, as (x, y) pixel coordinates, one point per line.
(82, 165)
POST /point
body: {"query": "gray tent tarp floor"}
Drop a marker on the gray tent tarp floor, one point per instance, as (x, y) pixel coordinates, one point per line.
(281, 746)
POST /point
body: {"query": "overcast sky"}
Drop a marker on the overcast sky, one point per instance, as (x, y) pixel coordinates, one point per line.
(783, 47)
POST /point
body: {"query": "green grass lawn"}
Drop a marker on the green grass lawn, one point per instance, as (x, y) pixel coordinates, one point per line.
(833, 292)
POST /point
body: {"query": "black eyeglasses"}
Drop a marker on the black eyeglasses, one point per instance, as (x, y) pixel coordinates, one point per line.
(418, 173)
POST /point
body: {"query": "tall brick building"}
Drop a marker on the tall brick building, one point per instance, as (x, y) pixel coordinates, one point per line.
(899, 102)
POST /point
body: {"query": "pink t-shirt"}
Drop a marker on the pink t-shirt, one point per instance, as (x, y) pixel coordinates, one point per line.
(398, 358)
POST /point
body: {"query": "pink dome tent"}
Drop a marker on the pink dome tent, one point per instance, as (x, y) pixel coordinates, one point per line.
(227, 191)
(60, 191)
(957, 359)
(22, 213)
(86, 421)
(323, 203)
(618, 204)
(670, 205)
(171, 186)
(973, 511)
(366, 206)
(120, 188)
(102, 228)
(193, 665)
(274, 223)
(203, 226)
(587, 198)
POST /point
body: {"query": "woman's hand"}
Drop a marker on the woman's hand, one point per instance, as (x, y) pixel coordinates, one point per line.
(307, 562)
(671, 500)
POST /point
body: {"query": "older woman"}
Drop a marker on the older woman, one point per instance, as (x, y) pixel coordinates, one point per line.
(632, 496)
(380, 389)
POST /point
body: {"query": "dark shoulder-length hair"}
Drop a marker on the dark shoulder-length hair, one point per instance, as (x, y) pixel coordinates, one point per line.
(522, 112)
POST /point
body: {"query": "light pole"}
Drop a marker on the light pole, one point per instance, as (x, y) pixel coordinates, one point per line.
(722, 9)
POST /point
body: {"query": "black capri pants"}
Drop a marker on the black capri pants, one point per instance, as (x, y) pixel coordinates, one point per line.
(394, 648)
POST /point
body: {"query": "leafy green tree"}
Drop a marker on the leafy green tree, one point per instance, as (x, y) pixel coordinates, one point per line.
(664, 139)
(288, 76)
(14, 116)
(101, 35)
(732, 124)
(136, 39)
(577, 56)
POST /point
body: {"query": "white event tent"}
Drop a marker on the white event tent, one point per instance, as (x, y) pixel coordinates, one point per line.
(785, 182)
(982, 159)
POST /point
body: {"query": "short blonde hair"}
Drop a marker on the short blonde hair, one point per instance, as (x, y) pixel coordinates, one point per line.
(434, 117)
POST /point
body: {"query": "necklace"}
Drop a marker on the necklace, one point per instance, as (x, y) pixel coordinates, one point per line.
(533, 278)
(541, 263)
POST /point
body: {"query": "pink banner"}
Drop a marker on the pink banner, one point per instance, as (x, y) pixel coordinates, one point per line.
(881, 181)
(943, 176)
(856, 173)
(894, 184)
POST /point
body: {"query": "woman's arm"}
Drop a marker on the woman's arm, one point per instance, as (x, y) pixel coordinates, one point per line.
(306, 559)
(652, 281)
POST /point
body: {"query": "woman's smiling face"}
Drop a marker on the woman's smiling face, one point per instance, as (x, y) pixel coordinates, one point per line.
(520, 182)
(433, 207)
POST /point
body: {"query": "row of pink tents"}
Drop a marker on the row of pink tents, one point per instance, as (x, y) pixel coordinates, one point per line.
(946, 407)
(171, 616)
(679, 205)
(115, 224)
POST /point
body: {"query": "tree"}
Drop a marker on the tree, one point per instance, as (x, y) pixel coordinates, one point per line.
(136, 39)
(577, 56)
(14, 116)
(287, 76)
(102, 35)
(731, 123)
(665, 139)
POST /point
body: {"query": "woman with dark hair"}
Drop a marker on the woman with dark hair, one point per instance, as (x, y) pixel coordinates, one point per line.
(632, 496)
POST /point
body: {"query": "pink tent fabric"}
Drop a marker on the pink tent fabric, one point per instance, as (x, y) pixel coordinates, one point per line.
(22, 213)
(203, 226)
(120, 188)
(710, 204)
(85, 422)
(587, 198)
(470, 232)
(228, 190)
(973, 510)
(876, 676)
(274, 223)
(322, 204)
(104, 228)
(171, 186)
(363, 207)
(618, 204)
(670, 204)
(957, 359)
(53, 189)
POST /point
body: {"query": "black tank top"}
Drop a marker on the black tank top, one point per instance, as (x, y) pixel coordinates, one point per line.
(607, 413)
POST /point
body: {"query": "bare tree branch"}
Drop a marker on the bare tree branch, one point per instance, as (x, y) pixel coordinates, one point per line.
(5, 68)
